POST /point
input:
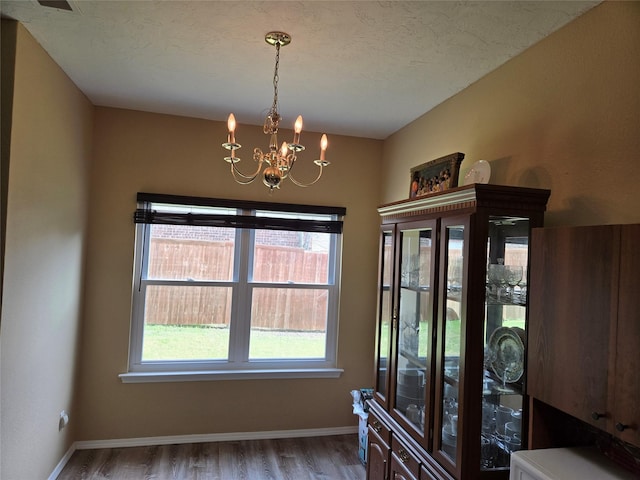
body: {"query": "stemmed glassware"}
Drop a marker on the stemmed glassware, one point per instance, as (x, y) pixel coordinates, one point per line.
(513, 277)
(496, 278)
(503, 279)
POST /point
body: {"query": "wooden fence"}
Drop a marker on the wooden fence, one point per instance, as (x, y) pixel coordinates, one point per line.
(272, 308)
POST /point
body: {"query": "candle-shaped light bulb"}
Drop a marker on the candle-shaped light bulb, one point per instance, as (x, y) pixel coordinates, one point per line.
(297, 129)
(231, 124)
(323, 145)
(284, 149)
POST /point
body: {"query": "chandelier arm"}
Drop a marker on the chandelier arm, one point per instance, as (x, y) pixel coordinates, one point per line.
(251, 178)
(300, 184)
(242, 182)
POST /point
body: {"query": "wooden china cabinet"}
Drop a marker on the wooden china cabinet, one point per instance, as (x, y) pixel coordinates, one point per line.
(451, 333)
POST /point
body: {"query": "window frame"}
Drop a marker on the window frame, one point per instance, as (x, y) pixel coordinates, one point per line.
(238, 365)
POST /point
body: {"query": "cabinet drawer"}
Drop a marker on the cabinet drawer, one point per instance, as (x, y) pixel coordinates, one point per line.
(427, 474)
(405, 457)
(380, 428)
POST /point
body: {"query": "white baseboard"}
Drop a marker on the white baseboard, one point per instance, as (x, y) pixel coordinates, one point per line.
(62, 462)
(207, 437)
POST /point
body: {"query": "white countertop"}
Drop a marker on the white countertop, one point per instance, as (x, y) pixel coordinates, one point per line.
(584, 463)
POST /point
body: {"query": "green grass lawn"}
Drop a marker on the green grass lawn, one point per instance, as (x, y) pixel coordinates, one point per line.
(452, 345)
(174, 342)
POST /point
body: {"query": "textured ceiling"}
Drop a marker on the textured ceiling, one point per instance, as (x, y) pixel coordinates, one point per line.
(358, 68)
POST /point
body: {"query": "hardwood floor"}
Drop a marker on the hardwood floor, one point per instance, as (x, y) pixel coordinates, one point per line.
(326, 458)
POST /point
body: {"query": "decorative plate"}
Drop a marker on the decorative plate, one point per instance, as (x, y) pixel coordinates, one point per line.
(480, 172)
(507, 347)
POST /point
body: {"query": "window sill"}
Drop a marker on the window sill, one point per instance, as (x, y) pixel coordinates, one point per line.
(212, 375)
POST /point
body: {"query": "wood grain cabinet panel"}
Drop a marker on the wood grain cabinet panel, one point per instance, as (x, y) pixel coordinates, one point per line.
(571, 305)
(626, 409)
(378, 461)
(379, 438)
(584, 325)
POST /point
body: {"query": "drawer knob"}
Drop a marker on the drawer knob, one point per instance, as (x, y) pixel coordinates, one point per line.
(598, 416)
(621, 427)
(376, 426)
(404, 456)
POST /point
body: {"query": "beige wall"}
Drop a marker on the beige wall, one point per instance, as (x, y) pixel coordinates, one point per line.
(563, 115)
(45, 238)
(135, 151)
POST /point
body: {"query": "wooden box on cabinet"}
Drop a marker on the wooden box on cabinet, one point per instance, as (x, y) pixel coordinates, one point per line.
(437, 314)
(584, 337)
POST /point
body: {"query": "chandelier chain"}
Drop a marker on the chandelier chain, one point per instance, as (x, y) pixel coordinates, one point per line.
(274, 107)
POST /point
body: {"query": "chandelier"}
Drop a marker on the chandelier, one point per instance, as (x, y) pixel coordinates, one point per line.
(279, 160)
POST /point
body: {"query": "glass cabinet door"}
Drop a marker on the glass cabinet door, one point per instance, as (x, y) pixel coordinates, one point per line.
(450, 332)
(384, 313)
(504, 340)
(414, 305)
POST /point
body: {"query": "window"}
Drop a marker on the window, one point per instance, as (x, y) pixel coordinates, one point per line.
(230, 289)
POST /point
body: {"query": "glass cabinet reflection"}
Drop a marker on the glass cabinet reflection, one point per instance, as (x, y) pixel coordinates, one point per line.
(504, 340)
(414, 324)
(384, 313)
(453, 270)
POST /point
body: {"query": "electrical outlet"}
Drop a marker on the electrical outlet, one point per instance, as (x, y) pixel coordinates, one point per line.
(64, 420)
